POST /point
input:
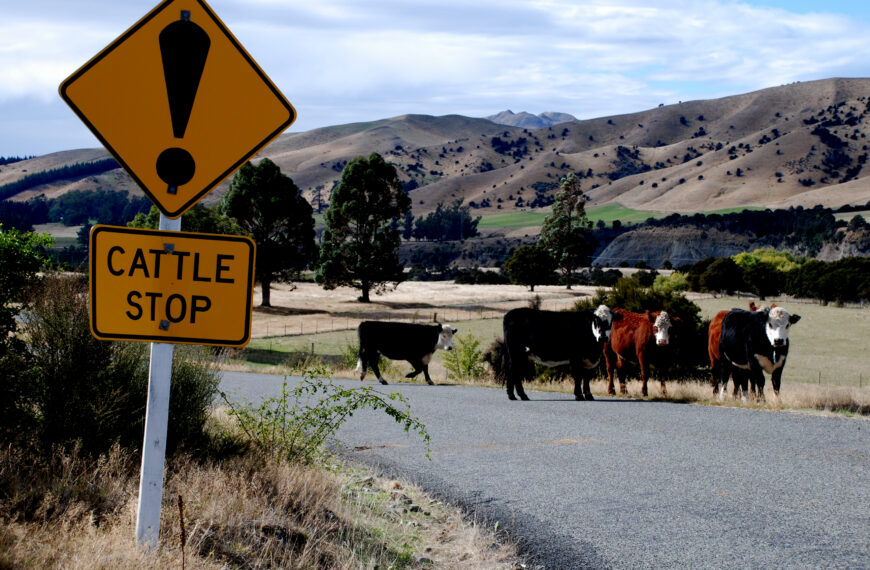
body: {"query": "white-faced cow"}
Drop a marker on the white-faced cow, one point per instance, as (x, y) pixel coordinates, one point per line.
(714, 333)
(553, 338)
(634, 338)
(401, 341)
(753, 343)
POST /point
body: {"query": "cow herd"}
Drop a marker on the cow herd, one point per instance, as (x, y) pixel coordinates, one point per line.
(742, 345)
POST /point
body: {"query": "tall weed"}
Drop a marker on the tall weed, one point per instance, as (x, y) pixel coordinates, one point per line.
(294, 425)
(466, 359)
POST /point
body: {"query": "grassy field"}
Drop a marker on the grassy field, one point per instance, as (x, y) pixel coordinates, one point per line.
(826, 363)
(606, 213)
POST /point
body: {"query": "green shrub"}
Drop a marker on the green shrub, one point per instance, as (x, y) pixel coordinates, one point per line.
(688, 351)
(466, 358)
(294, 425)
(90, 392)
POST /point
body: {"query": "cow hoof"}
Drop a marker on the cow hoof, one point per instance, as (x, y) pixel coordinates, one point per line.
(611, 392)
(431, 383)
(511, 397)
(524, 397)
(382, 381)
(590, 397)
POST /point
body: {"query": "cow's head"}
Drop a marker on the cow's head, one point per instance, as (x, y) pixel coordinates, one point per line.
(445, 338)
(602, 323)
(662, 323)
(778, 324)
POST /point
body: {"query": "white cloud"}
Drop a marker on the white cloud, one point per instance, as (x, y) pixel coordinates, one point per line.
(338, 60)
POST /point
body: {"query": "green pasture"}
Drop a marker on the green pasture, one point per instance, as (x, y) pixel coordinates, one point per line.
(827, 344)
(606, 213)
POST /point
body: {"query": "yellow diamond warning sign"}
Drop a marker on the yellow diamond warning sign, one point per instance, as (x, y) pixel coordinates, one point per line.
(177, 287)
(178, 102)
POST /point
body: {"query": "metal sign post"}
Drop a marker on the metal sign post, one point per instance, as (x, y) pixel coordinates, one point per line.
(157, 99)
(156, 422)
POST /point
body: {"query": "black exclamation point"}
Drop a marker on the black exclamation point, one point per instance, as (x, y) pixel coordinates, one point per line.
(184, 48)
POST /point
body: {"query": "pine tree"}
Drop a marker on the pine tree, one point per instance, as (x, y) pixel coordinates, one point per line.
(564, 232)
(361, 238)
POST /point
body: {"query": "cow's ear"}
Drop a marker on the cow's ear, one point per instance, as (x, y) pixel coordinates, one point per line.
(455, 331)
(794, 318)
(651, 316)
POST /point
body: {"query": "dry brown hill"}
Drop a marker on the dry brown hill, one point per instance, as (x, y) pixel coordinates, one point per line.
(802, 143)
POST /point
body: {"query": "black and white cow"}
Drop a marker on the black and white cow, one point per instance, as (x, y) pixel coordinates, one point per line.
(553, 338)
(753, 343)
(401, 341)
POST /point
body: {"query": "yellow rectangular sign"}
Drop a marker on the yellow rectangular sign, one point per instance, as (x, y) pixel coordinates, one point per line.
(175, 287)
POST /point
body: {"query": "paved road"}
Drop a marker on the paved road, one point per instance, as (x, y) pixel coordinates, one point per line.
(630, 484)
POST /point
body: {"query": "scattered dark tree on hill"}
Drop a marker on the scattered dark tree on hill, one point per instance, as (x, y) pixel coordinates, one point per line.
(564, 232)
(77, 170)
(530, 265)
(269, 207)
(360, 245)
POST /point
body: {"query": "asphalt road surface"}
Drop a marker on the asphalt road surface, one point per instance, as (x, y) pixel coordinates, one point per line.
(629, 484)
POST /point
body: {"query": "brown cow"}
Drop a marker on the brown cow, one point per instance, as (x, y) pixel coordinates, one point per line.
(713, 335)
(634, 337)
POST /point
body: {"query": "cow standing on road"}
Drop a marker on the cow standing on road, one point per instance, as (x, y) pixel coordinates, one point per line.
(635, 337)
(554, 339)
(753, 343)
(401, 341)
(714, 333)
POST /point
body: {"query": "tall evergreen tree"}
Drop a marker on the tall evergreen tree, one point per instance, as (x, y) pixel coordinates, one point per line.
(564, 232)
(361, 239)
(269, 207)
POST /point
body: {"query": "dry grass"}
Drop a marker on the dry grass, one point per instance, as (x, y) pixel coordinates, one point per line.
(241, 512)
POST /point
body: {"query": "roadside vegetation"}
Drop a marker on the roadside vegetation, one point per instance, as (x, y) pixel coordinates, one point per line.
(246, 485)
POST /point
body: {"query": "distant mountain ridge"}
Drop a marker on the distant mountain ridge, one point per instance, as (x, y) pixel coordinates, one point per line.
(800, 144)
(530, 121)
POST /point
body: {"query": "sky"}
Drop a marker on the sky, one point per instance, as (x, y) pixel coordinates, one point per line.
(344, 61)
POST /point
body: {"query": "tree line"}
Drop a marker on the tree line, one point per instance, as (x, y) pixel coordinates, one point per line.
(76, 170)
(74, 208)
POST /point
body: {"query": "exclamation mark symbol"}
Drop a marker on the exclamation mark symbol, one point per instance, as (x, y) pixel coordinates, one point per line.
(184, 48)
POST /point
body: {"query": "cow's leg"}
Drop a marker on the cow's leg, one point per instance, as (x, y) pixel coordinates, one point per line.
(511, 366)
(714, 375)
(741, 384)
(610, 364)
(361, 365)
(426, 375)
(620, 374)
(775, 381)
(757, 378)
(724, 373)
(644, 372)
(373, 362)
(581, 376)
(418, 368)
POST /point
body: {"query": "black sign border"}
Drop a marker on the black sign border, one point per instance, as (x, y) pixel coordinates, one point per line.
(220, 178)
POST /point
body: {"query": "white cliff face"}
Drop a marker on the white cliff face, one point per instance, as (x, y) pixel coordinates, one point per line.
(678, 245)
(854, 244)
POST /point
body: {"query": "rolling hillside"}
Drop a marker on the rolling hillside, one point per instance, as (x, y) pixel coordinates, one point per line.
(798, 144)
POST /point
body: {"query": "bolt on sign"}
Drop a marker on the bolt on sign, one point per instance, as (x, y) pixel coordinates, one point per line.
(175, 287)
(178, 102)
